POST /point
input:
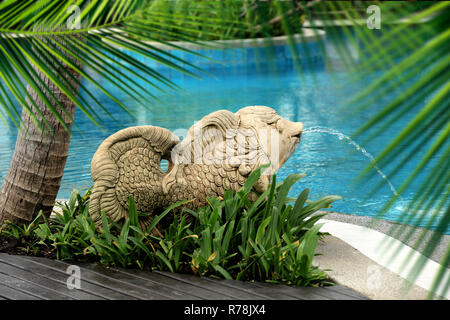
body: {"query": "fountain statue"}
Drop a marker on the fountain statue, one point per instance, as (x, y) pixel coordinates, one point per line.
(218, 154)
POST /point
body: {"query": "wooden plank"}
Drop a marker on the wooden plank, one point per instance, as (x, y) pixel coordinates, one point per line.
(192, 289)
(105, 280)
(27, 263)
(321, 292)
(31, 288)
(154, 286)
(224, 292)
(46, 283)
(271, 290)
(241, 285)
(14, 294)
(257, 291)
(334, 295)
(298, 293)
(311, 293)
(24, 277)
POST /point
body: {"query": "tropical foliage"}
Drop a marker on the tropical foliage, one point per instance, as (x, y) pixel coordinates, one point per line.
(221, 20)
(49, 30)
(48, 46)
(92, 31)
(271, 239)
(413, 46)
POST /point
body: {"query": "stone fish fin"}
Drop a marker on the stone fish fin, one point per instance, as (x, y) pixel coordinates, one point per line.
(112, 164)
(203, 137)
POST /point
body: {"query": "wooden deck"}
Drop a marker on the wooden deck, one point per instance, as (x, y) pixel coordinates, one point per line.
(33, 278)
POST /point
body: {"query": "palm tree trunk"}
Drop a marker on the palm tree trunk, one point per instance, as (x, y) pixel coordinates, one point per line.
(37, 165)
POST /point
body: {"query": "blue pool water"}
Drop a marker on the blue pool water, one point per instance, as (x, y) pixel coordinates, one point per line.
(317, 98)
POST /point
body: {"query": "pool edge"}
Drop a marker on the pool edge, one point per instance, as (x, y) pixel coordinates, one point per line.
(366, 241)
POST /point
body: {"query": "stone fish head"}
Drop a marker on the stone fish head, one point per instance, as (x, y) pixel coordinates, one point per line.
(278, 137)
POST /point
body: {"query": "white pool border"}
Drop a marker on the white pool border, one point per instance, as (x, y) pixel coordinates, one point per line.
(388, 252)
(308, 35)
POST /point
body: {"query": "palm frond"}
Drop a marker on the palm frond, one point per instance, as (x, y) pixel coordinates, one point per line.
(45, 36)
(421, 60)
(42, 35)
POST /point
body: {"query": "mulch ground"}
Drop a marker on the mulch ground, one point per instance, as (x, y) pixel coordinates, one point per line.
(10, 246)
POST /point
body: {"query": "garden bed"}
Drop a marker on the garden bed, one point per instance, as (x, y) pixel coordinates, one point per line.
(272, 239)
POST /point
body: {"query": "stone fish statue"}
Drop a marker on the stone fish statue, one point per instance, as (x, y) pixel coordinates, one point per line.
(218, 154)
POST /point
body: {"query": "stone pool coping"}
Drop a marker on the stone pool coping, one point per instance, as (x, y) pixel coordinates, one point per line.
(359, 263)
(385, 226)
(349, 267)
(309, 35)
(363, 22)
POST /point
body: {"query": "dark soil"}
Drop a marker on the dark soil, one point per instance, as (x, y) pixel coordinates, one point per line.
(10, 246)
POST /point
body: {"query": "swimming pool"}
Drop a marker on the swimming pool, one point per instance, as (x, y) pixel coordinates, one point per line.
(317, 98)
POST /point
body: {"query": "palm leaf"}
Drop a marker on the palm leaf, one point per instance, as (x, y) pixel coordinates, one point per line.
(423, 52)
(36, 35)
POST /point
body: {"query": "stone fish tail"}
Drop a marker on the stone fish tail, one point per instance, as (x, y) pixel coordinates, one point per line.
(123, 165)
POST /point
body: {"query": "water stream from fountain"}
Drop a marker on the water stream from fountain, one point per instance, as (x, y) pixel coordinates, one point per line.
(347, 139)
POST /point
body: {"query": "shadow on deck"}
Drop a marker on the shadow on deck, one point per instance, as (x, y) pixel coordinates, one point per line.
(34, 278)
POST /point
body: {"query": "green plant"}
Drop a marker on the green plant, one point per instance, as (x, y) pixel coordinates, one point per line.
(413, 51)
(219, 19)
(269, 239)
(23, 234)
(272, 238)
(31, 29)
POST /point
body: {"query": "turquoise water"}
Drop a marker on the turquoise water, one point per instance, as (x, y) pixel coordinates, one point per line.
(317, 99)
